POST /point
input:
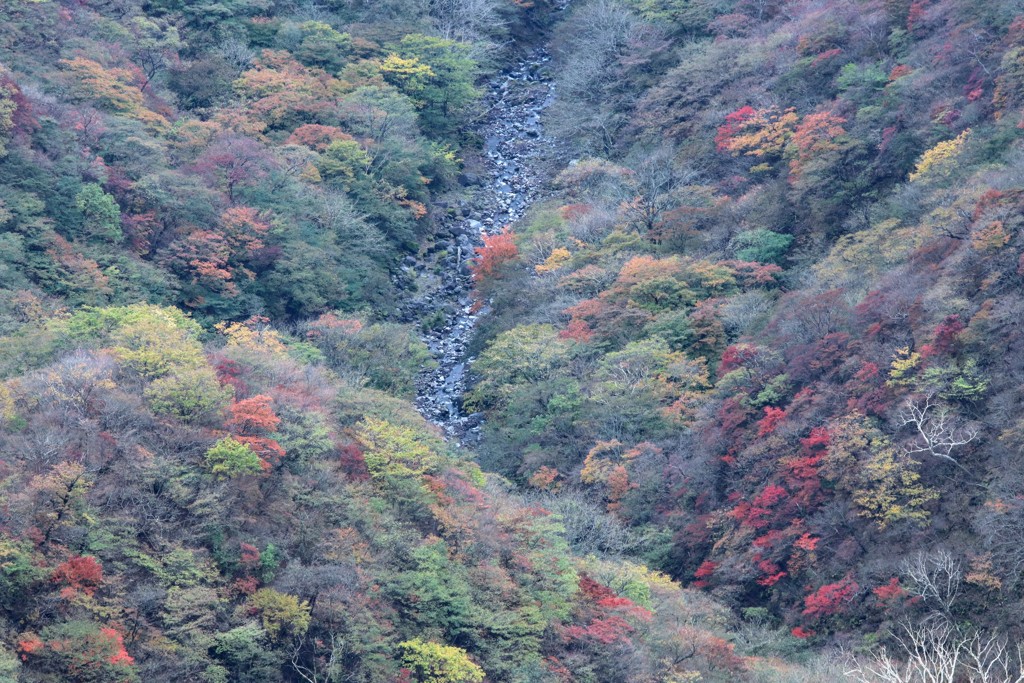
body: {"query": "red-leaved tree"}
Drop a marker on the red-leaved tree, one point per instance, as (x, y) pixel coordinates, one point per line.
(497, 250)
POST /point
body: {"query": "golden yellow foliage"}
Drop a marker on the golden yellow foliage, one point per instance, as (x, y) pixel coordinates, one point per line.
(598, 464)
(311, 174)
(891, 489)
(252, 335)
(937, 161)
(903, 367)
(280, 613)
(555, 260)
(882, 479)
(764, 134)
(410, 74)
(110, 88)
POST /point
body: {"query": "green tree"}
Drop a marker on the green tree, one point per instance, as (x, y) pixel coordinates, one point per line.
(228, 459)
(323, 46)
(523, 355)
(438, 75)
(388, 356)
(687, 16)
(434, 593)
(763, 246)
(345, 162)
(280, 613)
(101, 212)
(19, 574)
(245, 653)
(10, 666)
(192, 396)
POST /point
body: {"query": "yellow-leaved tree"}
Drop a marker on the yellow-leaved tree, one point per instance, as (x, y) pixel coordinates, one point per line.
(395, 452)
(436, 663)
(938, 162)
(881, 478)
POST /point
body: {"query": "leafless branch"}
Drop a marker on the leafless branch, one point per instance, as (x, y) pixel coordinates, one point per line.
(938, 432)
(936, 651)
(935, 576)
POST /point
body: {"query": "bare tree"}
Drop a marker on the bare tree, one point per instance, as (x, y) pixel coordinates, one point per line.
(929, 653)
(1002, 527)
(992, 660)
(936, 576)
(318, 661)
(588, 528)
(237, 53)
(936, 651)
(465, 20)
(938, 432)
(589, 110)
(653, 189)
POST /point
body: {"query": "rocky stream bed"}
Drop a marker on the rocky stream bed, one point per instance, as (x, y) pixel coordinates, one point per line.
(501, 193)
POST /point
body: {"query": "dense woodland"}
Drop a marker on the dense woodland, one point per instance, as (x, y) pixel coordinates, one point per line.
(750, 374)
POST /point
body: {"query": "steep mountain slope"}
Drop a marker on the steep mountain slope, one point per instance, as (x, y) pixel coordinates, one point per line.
(772, 319)
(758, 337)
(210, 465)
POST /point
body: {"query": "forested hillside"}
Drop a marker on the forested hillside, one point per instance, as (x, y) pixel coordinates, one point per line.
(774, 308)
(210, 464)
(741, 387)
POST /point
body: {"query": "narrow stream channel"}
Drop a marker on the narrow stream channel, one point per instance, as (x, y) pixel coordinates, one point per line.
(514, 139)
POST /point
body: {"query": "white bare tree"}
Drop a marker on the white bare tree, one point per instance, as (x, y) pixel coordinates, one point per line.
(994, 660)
(935, 576)
(928, 653)
(938, 432)
(324, 665)
(465, 20)
(936, 651)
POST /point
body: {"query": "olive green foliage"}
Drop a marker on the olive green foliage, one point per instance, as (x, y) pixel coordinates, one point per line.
(153, 341)
(19, 573)
(321, 45)
(386, 356)
(10, 665)
(519, 357)
(192, 396)
(281, 614)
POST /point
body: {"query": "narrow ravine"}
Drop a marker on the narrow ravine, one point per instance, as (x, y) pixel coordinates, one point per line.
(502, 193)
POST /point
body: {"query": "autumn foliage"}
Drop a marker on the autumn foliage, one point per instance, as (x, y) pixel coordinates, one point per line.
(497, 250)
(79, 574)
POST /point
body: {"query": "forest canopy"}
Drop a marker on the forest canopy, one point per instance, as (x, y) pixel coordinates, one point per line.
(742, 383)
